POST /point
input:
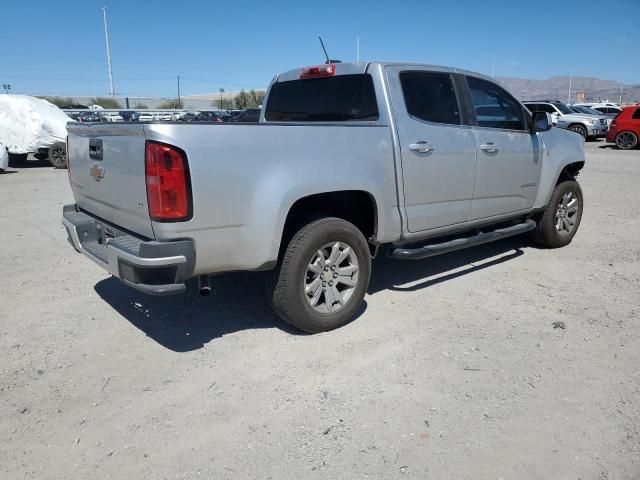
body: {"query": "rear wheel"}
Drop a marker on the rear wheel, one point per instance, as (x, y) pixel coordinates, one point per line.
(323, 276)
(579, 129)
(58, 155)
(626, 140)
(559, 222)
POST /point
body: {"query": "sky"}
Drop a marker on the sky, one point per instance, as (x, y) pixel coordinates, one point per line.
(58, 48)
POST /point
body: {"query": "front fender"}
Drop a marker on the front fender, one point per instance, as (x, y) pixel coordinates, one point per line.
(560, 148)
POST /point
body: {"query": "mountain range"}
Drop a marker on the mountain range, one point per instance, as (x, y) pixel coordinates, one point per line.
(557, 88)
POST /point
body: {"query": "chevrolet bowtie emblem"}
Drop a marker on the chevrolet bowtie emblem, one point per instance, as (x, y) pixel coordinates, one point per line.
(96, 172)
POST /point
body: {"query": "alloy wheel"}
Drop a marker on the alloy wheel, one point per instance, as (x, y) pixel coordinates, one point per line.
(331, 277)
(566, 213)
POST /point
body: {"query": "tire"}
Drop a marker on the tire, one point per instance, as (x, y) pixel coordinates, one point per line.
(18, 159)
(626, 140)
(58, 155)
(303, 278)
(579, 129)
(559, 222)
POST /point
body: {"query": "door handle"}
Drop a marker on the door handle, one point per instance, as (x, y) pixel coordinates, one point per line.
(421, 147)
(489, 147)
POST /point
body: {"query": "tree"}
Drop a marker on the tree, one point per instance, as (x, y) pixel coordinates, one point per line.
(140, 106)
(256, 98)
(172, 103)
(250, 99)
(106, 102)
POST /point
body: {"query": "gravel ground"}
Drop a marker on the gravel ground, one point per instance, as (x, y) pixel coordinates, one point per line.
(453, 370)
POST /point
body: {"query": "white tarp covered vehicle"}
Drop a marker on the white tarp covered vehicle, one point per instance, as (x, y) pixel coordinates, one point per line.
(29, 124)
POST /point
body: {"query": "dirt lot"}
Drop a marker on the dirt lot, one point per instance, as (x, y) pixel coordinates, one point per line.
(454, 369)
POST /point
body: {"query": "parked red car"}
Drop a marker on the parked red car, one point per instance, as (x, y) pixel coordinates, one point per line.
(625, 128)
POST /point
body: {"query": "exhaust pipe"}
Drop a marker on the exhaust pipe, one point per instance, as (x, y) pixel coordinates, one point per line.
(204, 285)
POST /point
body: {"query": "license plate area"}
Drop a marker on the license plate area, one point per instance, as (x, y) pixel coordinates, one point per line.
(105, 233)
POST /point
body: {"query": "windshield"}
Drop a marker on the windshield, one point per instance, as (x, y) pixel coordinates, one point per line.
(563, 108)
(588, 110)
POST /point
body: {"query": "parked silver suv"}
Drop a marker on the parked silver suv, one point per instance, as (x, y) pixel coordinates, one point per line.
(587, 126)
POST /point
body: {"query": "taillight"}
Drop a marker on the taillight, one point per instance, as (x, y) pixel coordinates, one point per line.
(318, 71)
(168, 187)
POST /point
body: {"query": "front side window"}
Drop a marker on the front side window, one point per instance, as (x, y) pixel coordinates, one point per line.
(430, 96)
(494, 107)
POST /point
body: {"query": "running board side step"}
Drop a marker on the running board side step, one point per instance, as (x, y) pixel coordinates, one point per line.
(460, 243)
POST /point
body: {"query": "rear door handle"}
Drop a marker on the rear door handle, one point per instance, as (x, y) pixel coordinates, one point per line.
(489, 147)
(421, 147)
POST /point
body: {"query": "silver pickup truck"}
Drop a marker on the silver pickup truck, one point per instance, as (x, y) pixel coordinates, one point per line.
(346, 158)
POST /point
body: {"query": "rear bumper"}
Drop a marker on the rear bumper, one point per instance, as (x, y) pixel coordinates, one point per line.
(155, 268)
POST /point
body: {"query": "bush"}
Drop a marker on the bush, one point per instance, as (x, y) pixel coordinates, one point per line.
(62, 102)
(106, 102)
(171, 103)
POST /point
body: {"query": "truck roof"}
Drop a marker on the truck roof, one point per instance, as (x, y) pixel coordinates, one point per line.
(351, 68)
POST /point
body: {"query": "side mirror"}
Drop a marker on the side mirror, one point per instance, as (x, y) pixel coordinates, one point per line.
(542, 122)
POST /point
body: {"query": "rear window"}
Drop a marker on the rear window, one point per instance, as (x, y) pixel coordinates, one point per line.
(636, 114)
(329, 99)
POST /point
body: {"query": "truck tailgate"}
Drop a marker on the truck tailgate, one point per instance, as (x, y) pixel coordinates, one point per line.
(107, 174)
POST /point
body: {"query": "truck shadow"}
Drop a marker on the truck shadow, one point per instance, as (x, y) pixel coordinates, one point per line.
(389, 274)
(238, 302)
(187, 322)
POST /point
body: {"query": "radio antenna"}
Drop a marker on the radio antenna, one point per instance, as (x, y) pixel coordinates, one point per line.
(324, 49)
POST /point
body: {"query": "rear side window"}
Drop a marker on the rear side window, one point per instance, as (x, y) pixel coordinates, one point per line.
(545, 107)
(636, 114)
(341, 98)
(430, 96)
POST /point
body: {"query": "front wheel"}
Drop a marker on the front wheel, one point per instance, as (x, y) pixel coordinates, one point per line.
(626, 140)
(559, 222)
(579, 129)
(322, 277)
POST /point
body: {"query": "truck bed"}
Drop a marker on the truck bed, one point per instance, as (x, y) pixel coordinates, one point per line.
(244, 180)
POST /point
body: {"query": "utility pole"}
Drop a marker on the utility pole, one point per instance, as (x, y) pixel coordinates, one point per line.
(619, 102)
(570, 82)
(221, 92)
(357, 48)
(493, 68)
(112, 91)
(179, 103)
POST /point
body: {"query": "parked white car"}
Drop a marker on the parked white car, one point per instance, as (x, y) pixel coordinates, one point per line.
(147, 117)
(111, 117)
(28, 125)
